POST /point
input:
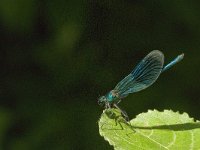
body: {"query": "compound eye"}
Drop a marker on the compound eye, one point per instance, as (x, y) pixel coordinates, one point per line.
(101, 101)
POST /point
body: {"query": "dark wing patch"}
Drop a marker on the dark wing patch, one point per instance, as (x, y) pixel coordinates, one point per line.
(144, 74)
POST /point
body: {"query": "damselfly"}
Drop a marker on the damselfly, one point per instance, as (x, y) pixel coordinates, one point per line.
(144, 75)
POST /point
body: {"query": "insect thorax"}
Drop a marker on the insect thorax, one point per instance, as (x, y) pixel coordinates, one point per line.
(112, 96)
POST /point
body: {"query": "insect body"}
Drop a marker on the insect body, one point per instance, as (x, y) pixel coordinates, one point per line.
(144, 75)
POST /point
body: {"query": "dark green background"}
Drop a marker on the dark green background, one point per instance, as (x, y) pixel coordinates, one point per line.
(58, 56)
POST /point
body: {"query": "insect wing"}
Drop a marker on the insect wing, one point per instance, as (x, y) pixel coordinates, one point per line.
(144, 74)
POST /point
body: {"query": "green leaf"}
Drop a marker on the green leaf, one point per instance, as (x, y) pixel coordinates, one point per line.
(153, 130)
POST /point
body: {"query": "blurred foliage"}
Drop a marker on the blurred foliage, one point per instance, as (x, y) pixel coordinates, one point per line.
(58, 56)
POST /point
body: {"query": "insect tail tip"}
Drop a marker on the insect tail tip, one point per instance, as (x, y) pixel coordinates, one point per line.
(181, 56)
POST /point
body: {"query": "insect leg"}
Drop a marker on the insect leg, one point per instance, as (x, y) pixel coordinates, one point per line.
(124, 114)
(119, 101)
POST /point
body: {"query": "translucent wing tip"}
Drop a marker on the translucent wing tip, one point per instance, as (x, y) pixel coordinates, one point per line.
(157, 53)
